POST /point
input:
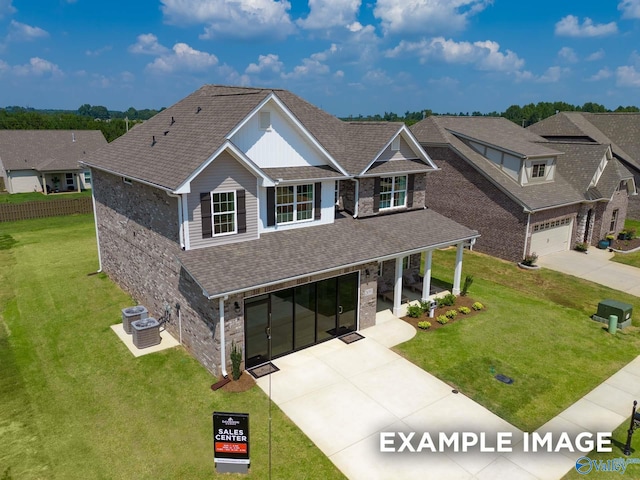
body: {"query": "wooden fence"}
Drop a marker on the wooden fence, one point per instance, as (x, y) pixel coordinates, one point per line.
(46, 208)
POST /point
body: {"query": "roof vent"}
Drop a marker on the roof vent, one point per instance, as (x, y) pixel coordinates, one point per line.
(172, 121)
(165, 132)
(153, 140)
(199, 110)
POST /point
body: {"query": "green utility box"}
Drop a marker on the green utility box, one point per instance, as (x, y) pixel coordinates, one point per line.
(612, 307)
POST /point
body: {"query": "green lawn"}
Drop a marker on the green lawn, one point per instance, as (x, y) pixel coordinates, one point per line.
(39, 197)
(536, 329)
(632, 259)
(74, 402)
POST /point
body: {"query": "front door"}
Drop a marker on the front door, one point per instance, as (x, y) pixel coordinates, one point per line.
(288, 320)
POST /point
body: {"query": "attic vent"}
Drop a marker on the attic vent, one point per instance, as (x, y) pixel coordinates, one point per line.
(395, 144)
(265, 120)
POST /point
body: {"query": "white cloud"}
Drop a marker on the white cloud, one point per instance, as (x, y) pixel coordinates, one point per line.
(330, 13)
(266, 64)
(97, 52)
(485, 55)
(147, 44)
(38, 67)
(309, 67)
(627, 76)
(568, 55)
(569, 26)
(21, 32)
(377, 77)
(630, 8)
(245, 19)
(420, 16)
(551, 75)
(602, 74)
(183, 58)
(6, 8)
(597, 55)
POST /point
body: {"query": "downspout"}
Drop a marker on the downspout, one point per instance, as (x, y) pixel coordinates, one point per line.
(356, 198)
(95, 222)
(223, 353)
(180, 225)
(526, 236)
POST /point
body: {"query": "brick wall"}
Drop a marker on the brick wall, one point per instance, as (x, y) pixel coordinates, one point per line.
(367, 187)
(458, 191)
(620, 202)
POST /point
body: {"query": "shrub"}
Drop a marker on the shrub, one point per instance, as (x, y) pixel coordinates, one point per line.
(414, 311)
(582, 246)
(236, 359)
(464, 310)
(477, 306)
(631, 233)
(530, 260)
(468, 280)
(442, 319)
(424, 325)
(451, 314)
(447, 300)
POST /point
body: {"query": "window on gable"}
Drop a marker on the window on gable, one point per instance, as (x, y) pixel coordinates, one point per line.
(265, 120)
(538, 170)
(223, 208)
(395, 144)
(393, 192)
(294, 203)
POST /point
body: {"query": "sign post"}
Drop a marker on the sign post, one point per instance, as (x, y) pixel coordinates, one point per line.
(231, 442)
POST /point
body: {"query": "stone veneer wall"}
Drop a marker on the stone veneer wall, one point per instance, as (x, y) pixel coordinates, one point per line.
(367, 186)
(458, 191)
(347, 195)
(138, 240)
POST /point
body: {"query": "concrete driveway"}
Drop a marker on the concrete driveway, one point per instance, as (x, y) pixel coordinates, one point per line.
(596, 267)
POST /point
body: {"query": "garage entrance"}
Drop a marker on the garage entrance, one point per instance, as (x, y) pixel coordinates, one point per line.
(549, 237)
(299, 317)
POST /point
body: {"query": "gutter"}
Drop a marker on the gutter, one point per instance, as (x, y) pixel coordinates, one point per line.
(95, 222)
(120, 174)
(223, 353)
(526, 236)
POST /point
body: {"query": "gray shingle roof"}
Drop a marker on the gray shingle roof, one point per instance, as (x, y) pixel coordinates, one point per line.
(47, 150)
(290, 174)
(620, 130)
(398, 166)
(305, 251)
(166, 149)
(575, 168)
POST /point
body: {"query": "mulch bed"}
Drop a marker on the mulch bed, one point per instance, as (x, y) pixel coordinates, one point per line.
(625, 245)
(460, 302)
(244, 383)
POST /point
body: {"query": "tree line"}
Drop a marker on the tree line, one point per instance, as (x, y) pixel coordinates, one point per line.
(522, 115)
(112, 123)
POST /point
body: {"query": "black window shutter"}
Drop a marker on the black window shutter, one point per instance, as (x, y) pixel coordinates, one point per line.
(205, 214)
(271, 206)
(376, 195)
(410, 182)
(242, 211)
(317, 201)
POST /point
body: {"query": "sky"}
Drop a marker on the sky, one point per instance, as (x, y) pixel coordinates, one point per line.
(348, 57)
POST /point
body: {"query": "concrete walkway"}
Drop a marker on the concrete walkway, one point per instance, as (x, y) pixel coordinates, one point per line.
(342, 396)
(596, 267)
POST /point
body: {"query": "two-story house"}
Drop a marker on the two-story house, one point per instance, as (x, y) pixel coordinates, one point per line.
(523, 193)
(267, 220)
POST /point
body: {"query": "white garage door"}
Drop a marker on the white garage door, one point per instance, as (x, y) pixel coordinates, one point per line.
(551, 237)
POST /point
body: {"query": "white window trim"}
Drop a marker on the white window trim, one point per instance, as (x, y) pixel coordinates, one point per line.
(544, 170)
(295, 203)
(235, 214)
(393, 191)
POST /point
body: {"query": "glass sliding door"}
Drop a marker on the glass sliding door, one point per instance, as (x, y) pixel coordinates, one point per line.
(281, 322)
(327, 309)
(347, 303)
(256, 345)
(305, 316)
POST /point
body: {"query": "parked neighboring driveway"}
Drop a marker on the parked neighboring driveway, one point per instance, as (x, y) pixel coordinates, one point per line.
(596, 267)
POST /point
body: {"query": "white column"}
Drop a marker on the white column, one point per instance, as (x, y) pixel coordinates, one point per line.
(397, 288)
(426, 281)
(458, 271)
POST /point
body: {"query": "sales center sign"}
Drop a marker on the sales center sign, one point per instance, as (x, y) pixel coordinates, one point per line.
(231, 437)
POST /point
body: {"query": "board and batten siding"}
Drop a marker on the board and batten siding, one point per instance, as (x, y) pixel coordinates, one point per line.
(224, 174)
(281, 145)
(404, 153)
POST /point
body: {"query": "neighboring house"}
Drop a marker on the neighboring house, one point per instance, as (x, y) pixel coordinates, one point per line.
(620, 130)
(257, 212)
(524, 194)
(47, 160)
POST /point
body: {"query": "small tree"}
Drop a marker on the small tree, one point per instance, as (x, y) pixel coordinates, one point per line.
(468, 280)
(236, 359)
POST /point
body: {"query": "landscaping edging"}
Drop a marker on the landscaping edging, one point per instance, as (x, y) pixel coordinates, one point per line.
(528, 267)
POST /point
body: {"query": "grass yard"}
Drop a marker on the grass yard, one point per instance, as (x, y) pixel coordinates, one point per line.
(74, 402)
(536, 329)
(632, 259)
(39, 197)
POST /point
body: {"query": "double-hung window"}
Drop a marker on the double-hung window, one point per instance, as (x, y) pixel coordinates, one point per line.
(294, 203)
(223, 209)
(538, 170)
(393, 192)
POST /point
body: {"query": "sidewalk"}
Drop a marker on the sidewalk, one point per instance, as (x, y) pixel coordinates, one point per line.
(343, 395)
